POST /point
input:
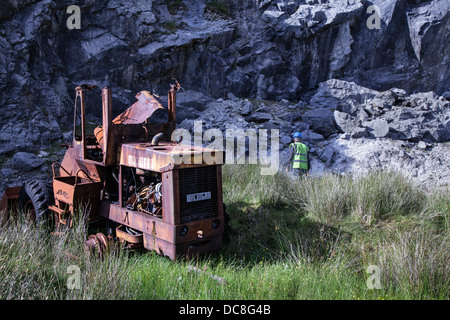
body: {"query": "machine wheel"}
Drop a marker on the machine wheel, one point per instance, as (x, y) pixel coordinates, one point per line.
(34, 199)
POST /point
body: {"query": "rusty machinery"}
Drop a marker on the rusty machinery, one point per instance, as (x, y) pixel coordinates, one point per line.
(128, 172)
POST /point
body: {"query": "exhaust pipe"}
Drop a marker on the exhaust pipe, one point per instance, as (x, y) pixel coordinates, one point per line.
(157, 138)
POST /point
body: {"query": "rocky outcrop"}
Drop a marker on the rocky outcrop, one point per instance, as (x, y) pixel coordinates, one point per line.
(390, 113)
(307, 53)
(368, 130)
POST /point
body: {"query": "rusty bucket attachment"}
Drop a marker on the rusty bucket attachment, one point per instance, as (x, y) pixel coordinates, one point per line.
(72, 192)
(97, 244)
(9, 203)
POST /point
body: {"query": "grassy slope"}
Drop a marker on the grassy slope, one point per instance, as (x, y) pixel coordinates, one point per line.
(290, 239)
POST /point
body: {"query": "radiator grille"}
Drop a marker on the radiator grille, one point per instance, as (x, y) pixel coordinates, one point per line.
(198, 193)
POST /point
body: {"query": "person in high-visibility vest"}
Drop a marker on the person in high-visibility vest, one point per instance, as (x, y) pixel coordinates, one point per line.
(299, 159)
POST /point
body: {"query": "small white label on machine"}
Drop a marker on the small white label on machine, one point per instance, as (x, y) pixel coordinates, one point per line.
(198, 196)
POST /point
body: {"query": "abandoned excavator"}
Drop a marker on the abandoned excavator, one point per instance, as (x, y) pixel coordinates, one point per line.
(128, 173)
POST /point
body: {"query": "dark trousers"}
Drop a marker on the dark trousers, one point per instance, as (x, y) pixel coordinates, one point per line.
(299, 172)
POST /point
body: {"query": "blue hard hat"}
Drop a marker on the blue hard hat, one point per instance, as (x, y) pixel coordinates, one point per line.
(297, 135)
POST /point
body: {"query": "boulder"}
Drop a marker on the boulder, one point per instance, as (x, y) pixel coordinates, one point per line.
(312, 137)
(345, 122)
(231, 96)
(378, 128)
(246, 108)
(259, 117)
(422, 145)
(25, 161)
(321, 121)
(327, 154)
(285, 139)
(333, 93)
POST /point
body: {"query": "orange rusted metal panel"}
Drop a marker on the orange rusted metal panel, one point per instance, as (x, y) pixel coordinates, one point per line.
(173, 251)
(140, 111)
(164, 237)
(8, 202)
(73, 192)
(164, 156)
(170, 204)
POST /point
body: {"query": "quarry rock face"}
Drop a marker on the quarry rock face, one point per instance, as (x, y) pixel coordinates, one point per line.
(407, 133)
(339, 71)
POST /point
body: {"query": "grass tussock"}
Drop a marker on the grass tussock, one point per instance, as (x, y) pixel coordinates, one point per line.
(308, 238)
(368, 198)
(417, 261)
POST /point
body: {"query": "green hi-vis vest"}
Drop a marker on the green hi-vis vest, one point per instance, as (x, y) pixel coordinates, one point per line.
(300, 160)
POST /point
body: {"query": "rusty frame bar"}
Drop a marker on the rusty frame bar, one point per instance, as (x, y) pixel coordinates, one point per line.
(172, 101)
(107, 123)
(79, 145)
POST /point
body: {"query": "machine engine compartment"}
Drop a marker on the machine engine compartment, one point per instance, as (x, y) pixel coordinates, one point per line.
(142, 191)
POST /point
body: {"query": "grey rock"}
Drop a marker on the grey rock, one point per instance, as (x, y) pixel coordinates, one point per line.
(446, 94)
(231, 96)
(259, 117)
(67, 136)
(246, 108)
(186, 124)
(7, 147)
(26, 161)
(403, 114)
(43, 154)
(440, 133)
(359, 133)
(378, 128)
(422, 145)
(192, 99)
(345, 136)
(273, 124)
(290, 117)
(333, 93)
(285, 139)
(345, 122)
(429, 169)
(342, 50)
(321, 121)
(312, 137)
(302, 126)
(327, 155)
(186, 113)
(6, 172)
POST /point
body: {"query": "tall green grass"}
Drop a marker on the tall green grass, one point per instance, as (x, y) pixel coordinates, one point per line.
(368, 198)
(350, 223)
(307, 238)
(417, 261)
(37, 264)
